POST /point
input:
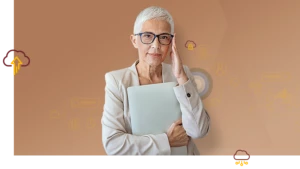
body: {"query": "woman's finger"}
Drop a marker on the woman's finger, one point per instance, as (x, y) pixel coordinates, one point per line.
(186, 139)
(179, 121)
(171, 129)
(173, 42)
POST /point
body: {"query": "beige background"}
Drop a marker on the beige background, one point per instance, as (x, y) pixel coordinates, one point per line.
(250, 48)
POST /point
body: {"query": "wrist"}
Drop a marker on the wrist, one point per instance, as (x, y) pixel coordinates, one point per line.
(170, 140)
(182, 79)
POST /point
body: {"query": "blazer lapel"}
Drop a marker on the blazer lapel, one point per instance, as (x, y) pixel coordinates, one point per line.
(135, 77)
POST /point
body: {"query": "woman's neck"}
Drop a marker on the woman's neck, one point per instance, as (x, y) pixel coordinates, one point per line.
(152, 73)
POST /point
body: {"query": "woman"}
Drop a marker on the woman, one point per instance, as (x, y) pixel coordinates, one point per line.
(153, 37)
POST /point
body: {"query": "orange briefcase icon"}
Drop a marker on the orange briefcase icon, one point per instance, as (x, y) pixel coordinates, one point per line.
(241, 161)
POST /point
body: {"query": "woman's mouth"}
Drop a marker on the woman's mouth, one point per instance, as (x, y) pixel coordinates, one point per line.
(155, 54)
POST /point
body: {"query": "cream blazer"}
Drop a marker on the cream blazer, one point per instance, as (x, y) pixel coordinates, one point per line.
(117, 137)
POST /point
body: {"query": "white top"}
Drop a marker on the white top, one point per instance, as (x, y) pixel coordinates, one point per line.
(117, 135)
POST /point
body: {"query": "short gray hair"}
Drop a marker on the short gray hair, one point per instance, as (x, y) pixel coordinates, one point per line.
(152, 12)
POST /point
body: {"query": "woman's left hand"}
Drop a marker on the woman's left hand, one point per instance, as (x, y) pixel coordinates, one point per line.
(177, 66)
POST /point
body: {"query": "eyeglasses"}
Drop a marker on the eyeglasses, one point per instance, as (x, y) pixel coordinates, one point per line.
(149, 37)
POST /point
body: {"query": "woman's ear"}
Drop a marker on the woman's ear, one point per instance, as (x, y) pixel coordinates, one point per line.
(133, 41)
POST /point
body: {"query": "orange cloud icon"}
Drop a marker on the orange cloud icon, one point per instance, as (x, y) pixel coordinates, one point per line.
(244, 151)
(19, 53)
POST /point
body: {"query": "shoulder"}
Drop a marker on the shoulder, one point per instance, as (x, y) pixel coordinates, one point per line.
(120, 75)
(116, 73)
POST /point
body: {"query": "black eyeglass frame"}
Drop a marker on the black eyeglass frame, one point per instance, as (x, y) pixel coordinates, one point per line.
(154, 37)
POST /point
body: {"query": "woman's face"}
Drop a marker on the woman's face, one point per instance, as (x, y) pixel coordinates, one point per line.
(146, 51)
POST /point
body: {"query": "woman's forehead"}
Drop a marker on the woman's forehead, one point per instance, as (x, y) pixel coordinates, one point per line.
(156, 26)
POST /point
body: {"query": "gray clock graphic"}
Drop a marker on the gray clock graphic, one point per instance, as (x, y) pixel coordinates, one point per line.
(203, 80)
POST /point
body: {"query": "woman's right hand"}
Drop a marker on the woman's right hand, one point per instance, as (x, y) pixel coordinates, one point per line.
(177, 135)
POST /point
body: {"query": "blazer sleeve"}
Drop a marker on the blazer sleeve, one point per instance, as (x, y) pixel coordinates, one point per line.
(195, 119)
(116, 140)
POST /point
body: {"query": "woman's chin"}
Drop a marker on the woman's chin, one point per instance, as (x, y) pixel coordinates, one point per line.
(154, 61)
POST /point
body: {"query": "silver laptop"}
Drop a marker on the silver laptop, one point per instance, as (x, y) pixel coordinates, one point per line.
(153, 109)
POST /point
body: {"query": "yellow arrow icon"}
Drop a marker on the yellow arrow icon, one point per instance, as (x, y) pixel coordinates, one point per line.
(16, 65)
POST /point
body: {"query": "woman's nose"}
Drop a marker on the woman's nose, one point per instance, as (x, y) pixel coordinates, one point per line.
(155, 43)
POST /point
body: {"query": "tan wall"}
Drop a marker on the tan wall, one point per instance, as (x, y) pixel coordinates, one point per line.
(250, 48)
